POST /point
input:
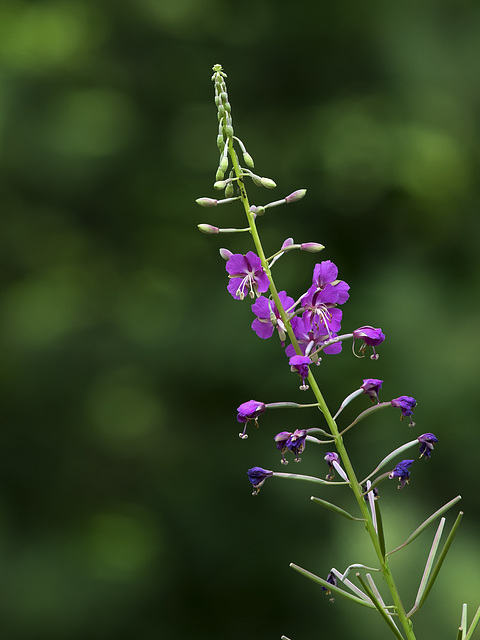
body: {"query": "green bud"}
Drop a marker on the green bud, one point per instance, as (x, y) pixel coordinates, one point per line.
(219, 175)
(229, 190)
(206, 202)
(257, 180)
(224, 163)
(228, 107)
(208, 228)
(220, 184)
(228, 129)
(268, 183)
(247, 158)
(221, 111)
(258, 211)
(220, 143)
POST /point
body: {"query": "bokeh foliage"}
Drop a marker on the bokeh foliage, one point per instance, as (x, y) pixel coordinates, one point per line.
(124, 505)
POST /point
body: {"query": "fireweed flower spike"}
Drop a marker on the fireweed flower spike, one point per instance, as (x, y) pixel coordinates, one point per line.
(300, 365)
(257, 477)
(247, 276)
(401, 471)
(371, 337)
(312, 325)
(406, 404)
(427, 441)
(249, 411)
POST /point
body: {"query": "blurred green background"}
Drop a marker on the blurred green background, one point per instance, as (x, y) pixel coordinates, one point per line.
(125, 511)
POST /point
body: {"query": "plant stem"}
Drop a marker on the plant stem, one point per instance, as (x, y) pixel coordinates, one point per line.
(354, 484)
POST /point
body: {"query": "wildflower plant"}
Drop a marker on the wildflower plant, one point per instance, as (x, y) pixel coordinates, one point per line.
(308, 326)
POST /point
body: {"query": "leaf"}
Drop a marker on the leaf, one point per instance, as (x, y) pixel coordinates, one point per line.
(333, 507)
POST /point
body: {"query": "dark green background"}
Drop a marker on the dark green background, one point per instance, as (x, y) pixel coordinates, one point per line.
(125, 511)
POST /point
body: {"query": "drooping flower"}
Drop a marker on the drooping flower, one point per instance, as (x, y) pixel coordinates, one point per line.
(247, 276)
(331, 579)
(257, 477)
(249, 411)
(330, 458)
(401, 471)
(406, 404)
(427, 441)
(371, 337)
(366, 491)
(268, 316)
(281, 440)
(300, 365)
(371, 387)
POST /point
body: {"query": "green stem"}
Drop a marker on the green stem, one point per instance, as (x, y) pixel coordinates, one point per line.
(354, 484)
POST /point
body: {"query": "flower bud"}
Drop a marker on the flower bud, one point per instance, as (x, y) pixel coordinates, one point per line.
(268, 183)
(208, 228)
(296, 195)
(258, 211)
(220, 184)
(312, 247)
(221, 111)
(206, 202)
(229, 190)
(220, 142)
(247, 158)
(225, 253)
(228, 130)
(223, 164)
(288, 243)
(219, 175)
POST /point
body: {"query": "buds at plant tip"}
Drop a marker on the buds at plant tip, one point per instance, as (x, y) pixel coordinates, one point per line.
(247, 158)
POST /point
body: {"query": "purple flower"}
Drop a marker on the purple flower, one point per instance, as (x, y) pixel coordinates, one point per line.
(370, 336)
(406, 404)
(326, 273)
(257, 477)
(310, 338)
(247, 276)
(249, 411)
(330, 458)
(300, 365)
(268, 316)
(401, 471)
(371, 387)
(281, 439)
(427, 441)
(319, 309)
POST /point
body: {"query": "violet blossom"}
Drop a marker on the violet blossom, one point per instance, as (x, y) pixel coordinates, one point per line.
(257, 477)
(406, 404)
(247, 411)
(371, 337)
(371, 387)
(330, 458)
(427, 441)
(268, 316)
(401, 471)
(326, 272)
(300, 365)
(311, 338)
(331, 579)
(247, 276)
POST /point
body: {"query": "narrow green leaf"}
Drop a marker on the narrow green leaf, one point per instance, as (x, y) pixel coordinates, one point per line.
(296, 476)
(430, 561)
(473, 626)
(425, 524)
(331, 587)
(438, 565)
(464, 622)
(379, 608)
(333, 507)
